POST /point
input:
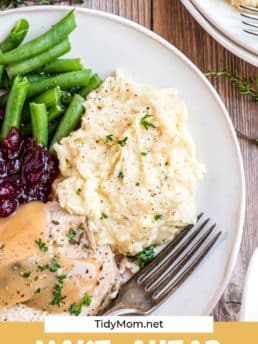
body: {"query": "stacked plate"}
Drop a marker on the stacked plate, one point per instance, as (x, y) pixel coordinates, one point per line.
(224, 23)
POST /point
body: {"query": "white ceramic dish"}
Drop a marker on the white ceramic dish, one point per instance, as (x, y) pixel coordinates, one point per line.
(106, 42)
(219, 36)
(249, 308)
(226, 18)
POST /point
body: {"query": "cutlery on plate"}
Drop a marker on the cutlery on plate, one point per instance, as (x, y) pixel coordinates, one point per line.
(250, 19)
(152, 285)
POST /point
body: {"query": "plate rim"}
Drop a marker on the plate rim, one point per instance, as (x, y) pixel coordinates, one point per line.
(227, 43)
(237, 41)
(137, 27)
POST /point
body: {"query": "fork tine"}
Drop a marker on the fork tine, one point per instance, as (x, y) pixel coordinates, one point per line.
(160, 296)
(249, 8)
(249, 16)
(167, 275)
(168, 255)
(252, 32)
(143, 272)
(250, 24)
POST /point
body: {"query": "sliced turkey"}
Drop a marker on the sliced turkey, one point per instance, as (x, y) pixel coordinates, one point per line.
(49, 263)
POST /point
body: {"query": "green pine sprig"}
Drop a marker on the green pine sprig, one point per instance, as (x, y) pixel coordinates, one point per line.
(247, 86)
(253, 140)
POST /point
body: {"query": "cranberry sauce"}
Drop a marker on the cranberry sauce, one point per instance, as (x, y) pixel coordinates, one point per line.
(27, 171)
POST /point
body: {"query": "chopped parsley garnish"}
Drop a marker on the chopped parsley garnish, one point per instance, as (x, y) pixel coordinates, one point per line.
(120, 175)
(122, 143)
(43, 267)
(86, 246)
(41, 245)
(58, 287)
(57, 291)
(145, 123)
(144, 153)
(86, 301)
(75, 309)
(71, 234)
(157, 217)
(61, 278)
(103, 216)
(109, 138)
(54, 265)
(26, 274)
(56, 300)
(79, 191)
(37, 291)
(146, 256)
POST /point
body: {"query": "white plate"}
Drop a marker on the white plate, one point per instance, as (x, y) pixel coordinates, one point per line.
(249, 308)
(107, 42)
(219, 36)
(227, 19)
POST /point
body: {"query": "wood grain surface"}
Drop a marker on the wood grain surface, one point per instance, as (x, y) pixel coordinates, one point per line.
(170, 19)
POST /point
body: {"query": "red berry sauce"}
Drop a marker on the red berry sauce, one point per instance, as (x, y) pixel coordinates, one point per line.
(27, 171)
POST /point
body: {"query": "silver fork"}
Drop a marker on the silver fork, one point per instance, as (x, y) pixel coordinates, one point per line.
(250, 19)
(152, 285)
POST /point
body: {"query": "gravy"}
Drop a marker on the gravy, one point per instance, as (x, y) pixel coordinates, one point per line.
(41, 276)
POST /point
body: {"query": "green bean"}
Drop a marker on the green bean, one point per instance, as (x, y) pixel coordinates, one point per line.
(39, 123)
(69, 121)
(52, 114)
(26, 129)
(7, 83)
(50, 98)
(32, 64)
(49, 39)
(65, 81)
(14, 106)
(16, 36)
(55, 111)
(62, 66)
(94, 83)
(33, 77)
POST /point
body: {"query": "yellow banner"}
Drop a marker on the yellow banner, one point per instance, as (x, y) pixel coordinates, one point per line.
(224, 333)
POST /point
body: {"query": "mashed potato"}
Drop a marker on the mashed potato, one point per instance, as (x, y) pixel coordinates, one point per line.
(253, 3)
(131, 167)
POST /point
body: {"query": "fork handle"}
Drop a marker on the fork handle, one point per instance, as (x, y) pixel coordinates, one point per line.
(119, 308)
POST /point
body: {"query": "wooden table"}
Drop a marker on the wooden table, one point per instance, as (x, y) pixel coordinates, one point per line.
(170, 19)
